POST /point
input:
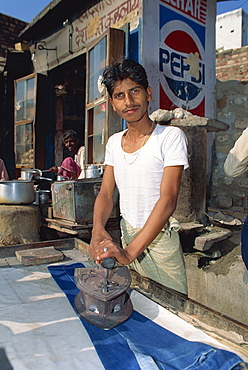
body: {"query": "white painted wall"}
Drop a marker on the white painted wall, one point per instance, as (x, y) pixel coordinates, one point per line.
(231, 30)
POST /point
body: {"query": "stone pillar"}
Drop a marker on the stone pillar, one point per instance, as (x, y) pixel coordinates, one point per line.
(191, 204)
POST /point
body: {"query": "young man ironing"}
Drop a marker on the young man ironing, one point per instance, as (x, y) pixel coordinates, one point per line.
(145, 162)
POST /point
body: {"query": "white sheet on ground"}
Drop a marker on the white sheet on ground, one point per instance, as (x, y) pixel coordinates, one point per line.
(40, 330)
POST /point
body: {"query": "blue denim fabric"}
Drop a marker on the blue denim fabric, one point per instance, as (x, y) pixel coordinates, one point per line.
(139, 343)
(244, 242)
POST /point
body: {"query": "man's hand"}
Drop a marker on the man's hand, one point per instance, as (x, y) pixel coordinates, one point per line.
(108, 248)
(53, 169)
(96, 240)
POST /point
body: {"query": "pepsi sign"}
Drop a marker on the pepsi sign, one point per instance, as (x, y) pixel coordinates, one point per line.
(181, 63)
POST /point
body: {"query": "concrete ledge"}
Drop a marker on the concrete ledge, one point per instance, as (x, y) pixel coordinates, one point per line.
(205, 241)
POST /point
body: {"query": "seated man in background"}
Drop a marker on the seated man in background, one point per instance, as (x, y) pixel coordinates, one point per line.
(70, 168)
(3, 172)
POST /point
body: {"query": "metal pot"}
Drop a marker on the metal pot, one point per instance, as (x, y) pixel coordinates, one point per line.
(93, 172)
(44, 196)
(16, 192)
(60, 178)
(30, 173)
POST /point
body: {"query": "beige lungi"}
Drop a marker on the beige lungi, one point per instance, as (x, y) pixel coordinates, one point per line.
(163, 260)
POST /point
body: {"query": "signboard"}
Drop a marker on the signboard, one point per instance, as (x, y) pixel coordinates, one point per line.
(182, 55)
(73, 39)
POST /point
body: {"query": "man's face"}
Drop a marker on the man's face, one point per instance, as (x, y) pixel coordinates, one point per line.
(71, 144)
(130, 100)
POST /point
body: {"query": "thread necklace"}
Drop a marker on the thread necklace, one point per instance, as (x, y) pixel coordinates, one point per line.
(139, 150)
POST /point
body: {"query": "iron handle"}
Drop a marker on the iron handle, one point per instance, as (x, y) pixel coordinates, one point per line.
(108, 263)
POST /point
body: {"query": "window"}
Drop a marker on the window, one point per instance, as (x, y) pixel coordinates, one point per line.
(101, 121)
(25, 102)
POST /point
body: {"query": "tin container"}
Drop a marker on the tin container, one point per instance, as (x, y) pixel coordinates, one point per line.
(74, 200)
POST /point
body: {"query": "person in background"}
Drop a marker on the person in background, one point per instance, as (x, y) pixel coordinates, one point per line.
(72, 168)
(3, 172)
(145, 162)
(235, 165)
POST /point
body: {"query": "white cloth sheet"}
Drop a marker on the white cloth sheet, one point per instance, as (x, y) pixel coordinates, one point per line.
(40, 330)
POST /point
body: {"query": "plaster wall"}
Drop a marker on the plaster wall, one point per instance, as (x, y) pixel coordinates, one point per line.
(231, 30)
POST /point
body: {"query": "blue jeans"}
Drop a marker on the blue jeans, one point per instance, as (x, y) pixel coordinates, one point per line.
(244, 242)
(141, 344)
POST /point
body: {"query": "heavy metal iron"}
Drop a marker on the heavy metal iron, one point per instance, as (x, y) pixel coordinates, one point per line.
(103, 299)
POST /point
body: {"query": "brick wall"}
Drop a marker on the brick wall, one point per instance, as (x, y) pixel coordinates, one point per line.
(232, 108)
(232, 64)
(9, 31)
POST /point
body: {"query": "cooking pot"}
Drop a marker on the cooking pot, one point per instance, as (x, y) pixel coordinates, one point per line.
(92, 171)
(60, 178)
(16, 192)
(30, 173)
(44, 196)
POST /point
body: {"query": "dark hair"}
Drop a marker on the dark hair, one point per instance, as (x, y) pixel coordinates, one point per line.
(70, 133)
(122, 69)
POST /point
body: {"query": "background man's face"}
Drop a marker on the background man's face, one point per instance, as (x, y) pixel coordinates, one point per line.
(71, 144)
(130, 100)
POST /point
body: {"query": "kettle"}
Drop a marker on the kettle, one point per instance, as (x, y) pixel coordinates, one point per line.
(92, 171)
(30, 173)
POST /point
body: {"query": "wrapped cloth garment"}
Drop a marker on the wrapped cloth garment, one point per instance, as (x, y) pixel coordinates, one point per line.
(162, 260)
(68, 168)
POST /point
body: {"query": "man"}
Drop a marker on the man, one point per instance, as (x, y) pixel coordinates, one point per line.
(235, 165)
(145, 162)
(72, 169)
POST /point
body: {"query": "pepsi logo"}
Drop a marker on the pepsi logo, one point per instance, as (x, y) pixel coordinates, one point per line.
(182, 64)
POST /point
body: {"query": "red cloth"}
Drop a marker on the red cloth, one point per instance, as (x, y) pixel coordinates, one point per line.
(69, 166)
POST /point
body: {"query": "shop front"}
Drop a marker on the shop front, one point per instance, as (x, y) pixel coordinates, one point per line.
(174, 41)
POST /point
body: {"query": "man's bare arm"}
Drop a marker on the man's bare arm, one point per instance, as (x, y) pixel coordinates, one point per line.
(102, 210)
